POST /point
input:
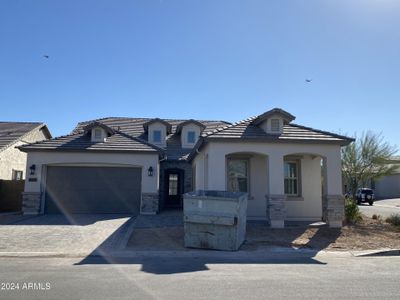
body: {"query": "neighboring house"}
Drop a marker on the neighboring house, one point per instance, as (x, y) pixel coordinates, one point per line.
(131, 165)
(388, 186)
(12, 135)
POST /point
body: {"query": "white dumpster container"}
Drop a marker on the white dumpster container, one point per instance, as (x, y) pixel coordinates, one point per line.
(214, 219)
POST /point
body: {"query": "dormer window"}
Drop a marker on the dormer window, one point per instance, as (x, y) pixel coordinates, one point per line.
(275, 125)
(157, 131)
(97, 134)
(191, 137)
(273, 121)
(190, 131)
(157, 136)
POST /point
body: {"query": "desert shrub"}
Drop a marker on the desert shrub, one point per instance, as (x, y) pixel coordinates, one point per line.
(394, 219)
(351, 211)
(377, 217)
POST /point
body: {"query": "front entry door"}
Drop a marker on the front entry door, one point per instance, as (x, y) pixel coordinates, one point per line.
(173, 188)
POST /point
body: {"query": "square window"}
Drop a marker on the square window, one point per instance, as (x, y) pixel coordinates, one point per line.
(17, 175)
(157, 136)
(191, 137)
(275, 125)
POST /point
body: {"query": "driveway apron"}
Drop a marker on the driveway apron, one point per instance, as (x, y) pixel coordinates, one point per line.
(75, 234)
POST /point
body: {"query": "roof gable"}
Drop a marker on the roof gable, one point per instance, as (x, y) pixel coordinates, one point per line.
(287, 117)
(91, 125)
(157, 120)
(191, 121)
(12, 132)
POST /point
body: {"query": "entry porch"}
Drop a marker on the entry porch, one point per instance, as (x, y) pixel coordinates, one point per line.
(284, 182)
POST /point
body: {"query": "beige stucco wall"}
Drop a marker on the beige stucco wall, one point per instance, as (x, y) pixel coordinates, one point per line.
(309, 205)
(266, 173)
(44, 159)
(198, 164)
(14, 159)
(257, 204)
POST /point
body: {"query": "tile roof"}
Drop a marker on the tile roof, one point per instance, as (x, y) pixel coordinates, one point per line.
(246, 130)
(291, 132)
(80, 142)
(129, 136)
(11, 132)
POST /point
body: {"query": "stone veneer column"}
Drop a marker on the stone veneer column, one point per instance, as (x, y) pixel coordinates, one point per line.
(333, 200)
(276, 210)
(31, 203)
(334, 214)
(149, 205)
(276, 207)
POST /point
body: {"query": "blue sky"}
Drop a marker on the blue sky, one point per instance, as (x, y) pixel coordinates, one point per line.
(202, 59)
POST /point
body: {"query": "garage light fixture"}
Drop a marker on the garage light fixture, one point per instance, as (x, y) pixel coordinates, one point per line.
(150, 171)
(32, 168)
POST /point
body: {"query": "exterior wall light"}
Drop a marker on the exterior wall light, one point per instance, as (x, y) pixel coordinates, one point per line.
(32, 169)
(150, 171)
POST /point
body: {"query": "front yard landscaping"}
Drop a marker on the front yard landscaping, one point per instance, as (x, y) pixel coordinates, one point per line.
(367, 234)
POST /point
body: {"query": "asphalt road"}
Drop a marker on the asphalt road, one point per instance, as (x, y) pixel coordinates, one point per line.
(203, 278)
(385, 208)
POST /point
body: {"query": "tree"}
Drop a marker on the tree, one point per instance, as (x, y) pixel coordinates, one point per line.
(366, 159)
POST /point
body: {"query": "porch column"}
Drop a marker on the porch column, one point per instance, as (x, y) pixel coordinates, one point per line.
(276, 210)
(333, 200)
(215, 171)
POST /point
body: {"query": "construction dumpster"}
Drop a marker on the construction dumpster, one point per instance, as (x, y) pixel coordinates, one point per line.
(214, 219)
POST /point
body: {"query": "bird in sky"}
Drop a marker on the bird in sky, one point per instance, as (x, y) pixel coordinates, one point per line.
(45, 56)
(308, 80)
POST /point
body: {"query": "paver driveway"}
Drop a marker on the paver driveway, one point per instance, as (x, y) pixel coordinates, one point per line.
(72, 235)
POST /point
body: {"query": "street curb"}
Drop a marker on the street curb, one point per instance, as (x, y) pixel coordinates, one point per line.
(169, 253)
(274, 252)
(379, 252)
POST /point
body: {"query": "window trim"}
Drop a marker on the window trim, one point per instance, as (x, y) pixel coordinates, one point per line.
(278, 123)
(153, 137)
(248, 171)
(194, 136)
(298, 195)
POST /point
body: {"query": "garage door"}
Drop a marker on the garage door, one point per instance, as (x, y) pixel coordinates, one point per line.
(96, 190)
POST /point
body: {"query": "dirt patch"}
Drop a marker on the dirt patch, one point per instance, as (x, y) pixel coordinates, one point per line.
(368, 234)
(157, 239)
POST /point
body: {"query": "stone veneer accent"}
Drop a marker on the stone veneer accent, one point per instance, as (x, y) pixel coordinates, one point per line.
(149, 205)
(276, 210)
(333, 210)
(31, 203)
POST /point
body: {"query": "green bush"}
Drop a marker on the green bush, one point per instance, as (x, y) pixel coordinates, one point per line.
(394, 219)
(352, 212)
